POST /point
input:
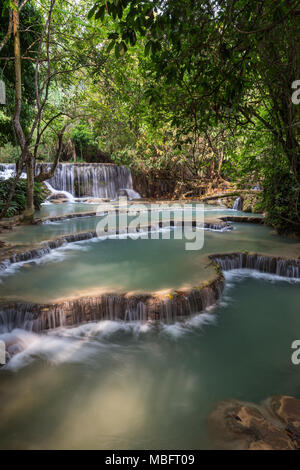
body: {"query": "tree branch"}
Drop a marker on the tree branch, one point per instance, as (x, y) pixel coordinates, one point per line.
(9, 30)
(46, 175)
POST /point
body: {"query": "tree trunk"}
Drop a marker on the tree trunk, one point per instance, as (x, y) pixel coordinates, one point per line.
(18, 77)
(74, 152)
(25, 154)
(220, 162)
(29, 212)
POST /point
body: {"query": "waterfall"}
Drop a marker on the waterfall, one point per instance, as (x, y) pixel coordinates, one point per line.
(289, 268)
(78, 180)
(97, 180)
(55, 191)
(130, 193)
(124, 307)
(8, 170)
(135, 307)
(46, 247)
(238, 204)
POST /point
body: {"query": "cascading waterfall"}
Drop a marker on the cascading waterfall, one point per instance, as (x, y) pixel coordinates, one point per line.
(131, 307)
(238, 204)
(91, 180)
(47, 247)
(8, 170)
(98, 180)
(289, 268)
(54, 192)
(144, 307)
(130, 193)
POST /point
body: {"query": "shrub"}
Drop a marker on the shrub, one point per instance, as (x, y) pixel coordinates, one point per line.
(18, 202)
(281, 197)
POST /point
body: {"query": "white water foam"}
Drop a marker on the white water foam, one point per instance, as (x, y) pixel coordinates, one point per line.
(80, 343)
(178, 329)
(25, 347)
(8, 173)
(56, 255)
(54, 192)
(235, 275)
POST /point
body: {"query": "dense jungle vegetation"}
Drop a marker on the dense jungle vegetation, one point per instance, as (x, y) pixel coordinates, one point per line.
(205, 92)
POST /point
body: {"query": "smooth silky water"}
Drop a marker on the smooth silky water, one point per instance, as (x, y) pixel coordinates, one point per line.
(114, 385)
(55, 210)
(146, 386)
(30, 234)
(119, 265)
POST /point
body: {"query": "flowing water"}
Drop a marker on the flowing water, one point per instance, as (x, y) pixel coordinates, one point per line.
(39, 233)
(98, 180)
(238, 204)
(133, 385)
(56, 210)
(151, 386)
(120, 264)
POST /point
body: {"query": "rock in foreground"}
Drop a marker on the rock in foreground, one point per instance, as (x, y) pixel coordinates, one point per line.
(273, 425)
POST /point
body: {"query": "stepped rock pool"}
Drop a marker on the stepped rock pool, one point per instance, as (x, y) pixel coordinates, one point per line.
(143, 385)
(124, 385)
(52, 229)
(120, 264)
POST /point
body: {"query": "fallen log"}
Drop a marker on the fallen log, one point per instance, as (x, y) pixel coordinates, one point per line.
(236, 193)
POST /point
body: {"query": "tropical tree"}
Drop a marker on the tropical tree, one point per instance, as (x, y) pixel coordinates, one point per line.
(227, 61)
(58, 54)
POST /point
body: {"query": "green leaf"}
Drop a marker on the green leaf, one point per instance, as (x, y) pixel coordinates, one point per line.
(117, 51)
(123, 48)
(100, 13)
(120, 49)
(148, 48)
(113, 36)
(92, 11)
(110, 46)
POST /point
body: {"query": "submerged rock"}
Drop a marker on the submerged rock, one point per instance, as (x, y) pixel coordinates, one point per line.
(60, 201)
(96, 200)
(273, 425)
(243, 219)
(56, 196)
(287, 409)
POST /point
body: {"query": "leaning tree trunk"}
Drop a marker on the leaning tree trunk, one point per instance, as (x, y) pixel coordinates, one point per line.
(26, 156)
(29, 211)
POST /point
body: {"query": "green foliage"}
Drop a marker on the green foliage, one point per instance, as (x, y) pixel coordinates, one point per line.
(30, 25)
(18, 203)
(82, 135)
(213, 64)
(281, 195)
(198, 90)
(133, 18)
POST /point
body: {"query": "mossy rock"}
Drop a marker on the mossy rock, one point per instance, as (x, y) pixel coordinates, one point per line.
(253, 203)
